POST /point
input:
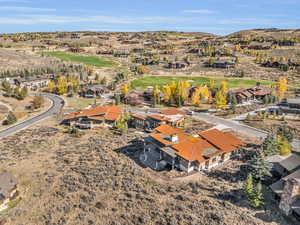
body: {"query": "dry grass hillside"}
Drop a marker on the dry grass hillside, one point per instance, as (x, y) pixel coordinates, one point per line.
(88, 180)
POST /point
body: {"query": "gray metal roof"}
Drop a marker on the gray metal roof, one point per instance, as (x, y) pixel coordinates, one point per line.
(293, 101)
(279, 185)
(291, 163)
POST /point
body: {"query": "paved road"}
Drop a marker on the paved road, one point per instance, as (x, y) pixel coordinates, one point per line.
(251, 131)
(57, 104)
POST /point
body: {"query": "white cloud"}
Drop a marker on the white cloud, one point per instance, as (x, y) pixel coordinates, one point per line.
(25, 9)
(52, 19)
(198, 11)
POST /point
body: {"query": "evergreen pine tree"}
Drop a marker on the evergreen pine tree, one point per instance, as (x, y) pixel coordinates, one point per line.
(269, 145)
(257, 198)
(248, 185)
(261, 168)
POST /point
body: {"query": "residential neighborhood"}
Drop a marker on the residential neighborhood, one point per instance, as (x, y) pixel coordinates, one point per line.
(153, 113)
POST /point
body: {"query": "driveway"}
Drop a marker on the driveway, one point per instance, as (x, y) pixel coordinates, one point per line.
(57, 104)
(251, 131)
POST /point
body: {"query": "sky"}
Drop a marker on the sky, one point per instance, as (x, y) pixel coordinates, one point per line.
(212, 16)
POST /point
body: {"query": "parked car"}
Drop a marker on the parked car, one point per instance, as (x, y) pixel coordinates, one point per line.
(189, 112)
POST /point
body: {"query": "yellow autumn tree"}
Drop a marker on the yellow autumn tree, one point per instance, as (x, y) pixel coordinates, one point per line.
(183, 89)
(125, 89)
(282, 86)
(195, 100)
(51, 86)
(220, 100)
(204, 93)
(224, 87)
(156, 95)
(173, 87)
(167, 93)
(75, 84)
(62, 85)
(284, 146)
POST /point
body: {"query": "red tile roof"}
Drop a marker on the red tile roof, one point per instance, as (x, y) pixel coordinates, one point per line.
(168, 130)
(109, 112)
(188, 147)
(141, 117)
(192, 149)
(209, 144)
(172, 111)
(159, 118)
(223, 141)
(112, 116)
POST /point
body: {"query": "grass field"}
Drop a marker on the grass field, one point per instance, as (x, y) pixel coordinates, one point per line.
(144, 82)
(79, 103)
(88, 60)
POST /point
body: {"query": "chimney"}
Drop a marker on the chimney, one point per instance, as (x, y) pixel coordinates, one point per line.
(289, 195)
(174, 138)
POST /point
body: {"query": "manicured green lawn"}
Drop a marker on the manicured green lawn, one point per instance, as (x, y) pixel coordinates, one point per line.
(88, 60)
(144, 82)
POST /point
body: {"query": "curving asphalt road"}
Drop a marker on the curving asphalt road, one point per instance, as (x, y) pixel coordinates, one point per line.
(57, 104)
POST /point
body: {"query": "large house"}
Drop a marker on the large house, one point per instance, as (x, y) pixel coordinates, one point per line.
(290, 106)
(94, 117)
(149, 121)
(92, 91)
(222, 64)
(8, 189)
(243, 95)
(255, 93)
(170, 146)
(136, 97)
(287, 189)
(34, 82)
(178, 65)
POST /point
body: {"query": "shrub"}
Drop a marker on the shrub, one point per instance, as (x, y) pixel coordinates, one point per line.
(10, 119)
